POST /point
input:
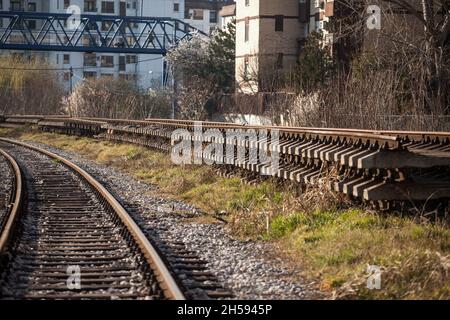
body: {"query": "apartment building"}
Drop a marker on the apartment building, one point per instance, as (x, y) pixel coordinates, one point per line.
(332, 17)
(227, 15)
(204, 14)
(268, 34)
(144, 70)
(271, 34)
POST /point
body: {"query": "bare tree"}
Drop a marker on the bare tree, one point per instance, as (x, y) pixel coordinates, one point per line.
(414, 36)
(204, 70)
(434, 15)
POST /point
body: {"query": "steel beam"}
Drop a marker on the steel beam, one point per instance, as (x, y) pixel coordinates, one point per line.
(138, 35)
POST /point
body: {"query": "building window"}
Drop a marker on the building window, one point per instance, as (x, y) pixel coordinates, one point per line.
(107, 76)
(131, 5)
(107, 61)
(319, 25)
(66, 59)
(91, 40)
(89, 6)
(246, 68)
(279, 23)
(122, 65)
(279, 64)
(16, 6)
(107, 7)
(213, 16)
(89, 74)
(131, 77)
(1, 5)
(106, 25)
(131, 59)
(247, 29)
(176, 7)
(198, 14)
(66, 4)
(66, 76)
(247, 3)
(90, 60)
(31, 24)
(32, 6)
(131, 41)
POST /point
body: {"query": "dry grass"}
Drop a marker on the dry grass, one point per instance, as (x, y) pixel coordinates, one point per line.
(322, 235)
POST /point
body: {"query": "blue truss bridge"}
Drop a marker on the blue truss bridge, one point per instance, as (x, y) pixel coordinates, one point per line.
(91, 33)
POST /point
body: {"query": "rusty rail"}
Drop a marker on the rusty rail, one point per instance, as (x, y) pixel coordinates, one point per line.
(165, 278)
(16, 202)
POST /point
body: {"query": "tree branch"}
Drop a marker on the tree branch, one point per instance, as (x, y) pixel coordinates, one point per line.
(410, 8)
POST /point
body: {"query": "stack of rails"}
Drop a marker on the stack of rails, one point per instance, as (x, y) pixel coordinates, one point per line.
(382, 167)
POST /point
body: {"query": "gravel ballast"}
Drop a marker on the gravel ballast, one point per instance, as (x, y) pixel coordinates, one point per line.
(6, 187)
(247, 268)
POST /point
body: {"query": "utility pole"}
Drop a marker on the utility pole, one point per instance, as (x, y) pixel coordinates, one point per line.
(71, 89)
(71, 76)
(174, 93)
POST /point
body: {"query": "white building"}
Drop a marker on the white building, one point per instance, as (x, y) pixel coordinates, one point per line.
(227, 15)
(147, 70)
(204, 14)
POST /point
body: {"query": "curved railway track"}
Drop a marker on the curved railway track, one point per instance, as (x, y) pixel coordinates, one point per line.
(73, 239)
(11, 196)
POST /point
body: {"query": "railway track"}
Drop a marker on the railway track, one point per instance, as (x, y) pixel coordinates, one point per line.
(387, 169)
(66, 237)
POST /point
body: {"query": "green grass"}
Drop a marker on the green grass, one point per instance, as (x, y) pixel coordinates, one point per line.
(320, 238)
(338, 246)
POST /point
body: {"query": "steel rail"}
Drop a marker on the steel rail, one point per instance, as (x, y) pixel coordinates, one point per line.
(219, 125)
(375, 132)
(165, 278)
(215, 124)
(391, 138)
(17, 202)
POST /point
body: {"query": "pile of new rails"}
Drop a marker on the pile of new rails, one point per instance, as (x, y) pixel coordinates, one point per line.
(384, 168)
